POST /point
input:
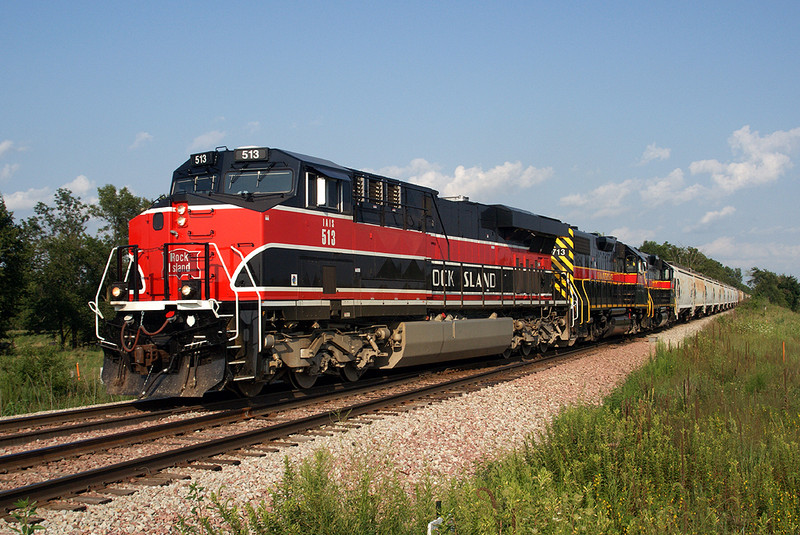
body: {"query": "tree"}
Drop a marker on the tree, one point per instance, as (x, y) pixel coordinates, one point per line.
(781, 290)
(116, 208)
(65, 269)
(790, 288)
(692, 258)
(12, 261)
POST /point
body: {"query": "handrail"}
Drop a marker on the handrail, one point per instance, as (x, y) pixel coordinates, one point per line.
(93, 305)
(258, 295)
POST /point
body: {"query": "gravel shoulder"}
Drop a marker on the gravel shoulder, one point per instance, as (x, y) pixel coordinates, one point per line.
(444, 439)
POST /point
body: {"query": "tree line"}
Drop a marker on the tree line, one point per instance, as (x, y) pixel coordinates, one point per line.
(50, 264)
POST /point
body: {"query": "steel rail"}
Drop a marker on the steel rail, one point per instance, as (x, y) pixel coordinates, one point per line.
(31, 420)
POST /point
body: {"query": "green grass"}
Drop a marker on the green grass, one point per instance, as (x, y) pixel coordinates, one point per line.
(705, 438)
(35, 375)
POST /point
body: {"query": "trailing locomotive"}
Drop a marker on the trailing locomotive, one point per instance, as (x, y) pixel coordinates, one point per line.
(264, 264)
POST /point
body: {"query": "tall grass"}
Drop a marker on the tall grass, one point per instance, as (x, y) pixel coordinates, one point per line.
(37, 375)
(705, 438)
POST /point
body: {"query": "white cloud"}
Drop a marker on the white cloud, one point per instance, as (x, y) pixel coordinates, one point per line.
(472, 182)
(652, 152)
(206, 141)
(635, 236)
(25, 200)
(773, 231)
(671, 188)
(141, 139)
(772, 255)
(8, 170)
(711, 217)
(719, 214)
(760, 159)
(722, 247)
(606, 200)
(5, 146)
(80, 186)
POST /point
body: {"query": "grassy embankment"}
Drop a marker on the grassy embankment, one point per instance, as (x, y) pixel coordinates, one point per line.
(36, 375)
(705, 438)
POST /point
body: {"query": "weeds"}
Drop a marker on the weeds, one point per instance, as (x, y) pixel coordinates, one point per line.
(37, 375)
(24, 515)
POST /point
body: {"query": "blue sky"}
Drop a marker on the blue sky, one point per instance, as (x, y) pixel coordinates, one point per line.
(668, 121)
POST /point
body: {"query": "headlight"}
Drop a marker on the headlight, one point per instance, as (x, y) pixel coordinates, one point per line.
(190, 289)
(181, 221)
(119, 290)
(181, 209)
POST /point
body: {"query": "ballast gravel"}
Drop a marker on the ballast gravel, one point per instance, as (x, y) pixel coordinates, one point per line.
(443, 439)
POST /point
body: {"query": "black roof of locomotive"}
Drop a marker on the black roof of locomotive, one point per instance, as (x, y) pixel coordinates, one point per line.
(493, 216)
(504, 217)
(323, 165)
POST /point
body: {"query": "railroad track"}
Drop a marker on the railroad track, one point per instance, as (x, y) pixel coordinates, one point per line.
(220, 413)
(38, 427)
(271, 433)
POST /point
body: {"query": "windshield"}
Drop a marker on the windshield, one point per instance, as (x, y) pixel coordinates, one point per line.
(258, 181)
(194, 184)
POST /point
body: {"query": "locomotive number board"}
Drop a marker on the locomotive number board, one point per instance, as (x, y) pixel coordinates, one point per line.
(204, 158)
(251, 154)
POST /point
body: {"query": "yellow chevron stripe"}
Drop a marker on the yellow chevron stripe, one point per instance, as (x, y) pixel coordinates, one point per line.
(565, 264)
(559, 264)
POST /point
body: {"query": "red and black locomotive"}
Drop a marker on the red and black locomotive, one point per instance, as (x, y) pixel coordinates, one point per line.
(264, 264)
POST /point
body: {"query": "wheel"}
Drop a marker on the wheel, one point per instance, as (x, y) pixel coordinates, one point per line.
(302, 379)
(507, 353)
(526, 349)
(249, 389)
(351, 372)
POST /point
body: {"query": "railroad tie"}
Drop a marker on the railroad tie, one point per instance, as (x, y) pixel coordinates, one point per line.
(153, 481)
(244, 453)
(264, 448)
(206, 466)
(282, 443)
(232, 462)
(65, 505)
(91, 499)
(117, 492)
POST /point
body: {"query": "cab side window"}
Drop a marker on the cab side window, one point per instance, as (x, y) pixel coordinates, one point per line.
(325, 193)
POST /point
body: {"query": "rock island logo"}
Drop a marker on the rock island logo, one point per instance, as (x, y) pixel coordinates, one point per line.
(182, 263)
